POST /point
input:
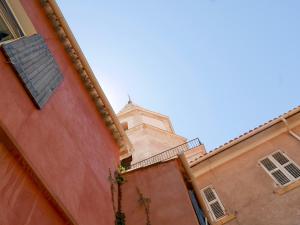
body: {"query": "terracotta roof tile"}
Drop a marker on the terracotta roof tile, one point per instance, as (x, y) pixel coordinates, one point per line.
(256, 128)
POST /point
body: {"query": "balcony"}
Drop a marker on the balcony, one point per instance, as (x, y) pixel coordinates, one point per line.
(192, 149)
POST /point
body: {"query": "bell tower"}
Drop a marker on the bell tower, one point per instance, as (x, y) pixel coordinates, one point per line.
(149, 132)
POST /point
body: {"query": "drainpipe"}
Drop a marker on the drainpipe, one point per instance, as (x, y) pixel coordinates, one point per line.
(191, 176)
(289, 129)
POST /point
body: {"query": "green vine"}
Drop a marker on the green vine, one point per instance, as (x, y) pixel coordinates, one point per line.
(145, 202)
(112, 190)
(119, 180)
(120, 218)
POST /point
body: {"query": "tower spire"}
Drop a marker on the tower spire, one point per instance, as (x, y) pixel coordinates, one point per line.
(129, 100)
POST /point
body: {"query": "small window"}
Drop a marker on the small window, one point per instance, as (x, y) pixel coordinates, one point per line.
(9, 28)
(213, 203)
(282, 169)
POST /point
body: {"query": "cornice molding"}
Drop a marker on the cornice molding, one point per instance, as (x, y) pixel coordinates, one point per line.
(150, 127)
(86, 74)
(258, 137)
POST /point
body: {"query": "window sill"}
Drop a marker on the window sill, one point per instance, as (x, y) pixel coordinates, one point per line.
(285, 189)
(225, 219)
(10, 40)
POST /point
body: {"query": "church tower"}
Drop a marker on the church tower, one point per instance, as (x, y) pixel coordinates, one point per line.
(149, 132)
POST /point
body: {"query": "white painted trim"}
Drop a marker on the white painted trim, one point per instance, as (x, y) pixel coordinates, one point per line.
(21, 18)
(279, 167)
(15, 16)
(11, 30)
(208, 207)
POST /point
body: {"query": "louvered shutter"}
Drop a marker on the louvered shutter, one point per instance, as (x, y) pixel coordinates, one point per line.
(274, 171)
(281, 168)
(213, 203)
(35, 66)
(288, 165)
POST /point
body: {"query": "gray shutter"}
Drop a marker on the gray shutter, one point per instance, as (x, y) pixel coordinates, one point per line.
(35, 67)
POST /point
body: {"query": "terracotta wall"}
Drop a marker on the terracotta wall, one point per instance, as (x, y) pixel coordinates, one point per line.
(22, 202)
(66, 142)
(247, 190)
(164, 185)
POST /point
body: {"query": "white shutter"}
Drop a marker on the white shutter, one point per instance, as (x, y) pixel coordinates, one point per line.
(289, 166)
(283, 170)
(213, 203)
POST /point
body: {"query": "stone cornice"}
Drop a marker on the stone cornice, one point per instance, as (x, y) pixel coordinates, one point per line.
(86, 74)
(246, 143)
(150, 127)
(143, 111)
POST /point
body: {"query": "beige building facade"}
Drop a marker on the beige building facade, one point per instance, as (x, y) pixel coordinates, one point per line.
(149, 132)
(251, 180)
(255, 178)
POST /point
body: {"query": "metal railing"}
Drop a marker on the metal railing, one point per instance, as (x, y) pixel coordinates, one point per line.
(168, 154)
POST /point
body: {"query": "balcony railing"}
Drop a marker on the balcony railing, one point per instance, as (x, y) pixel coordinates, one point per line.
(166, 155)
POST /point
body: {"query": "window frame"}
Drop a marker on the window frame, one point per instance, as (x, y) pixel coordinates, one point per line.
(208, 204)
(280, 168)
(20, 18)
(11, 15)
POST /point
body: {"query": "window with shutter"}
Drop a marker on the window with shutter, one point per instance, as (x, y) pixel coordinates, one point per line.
(213, 203)
(35, 66)
(282, 169)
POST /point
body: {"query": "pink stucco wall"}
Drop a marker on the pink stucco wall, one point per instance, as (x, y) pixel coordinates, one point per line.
(67, 142)
(21, 200)
(164, 185)
(248, 191)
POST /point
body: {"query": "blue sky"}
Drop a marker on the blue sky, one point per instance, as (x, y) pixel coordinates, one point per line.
(217, 67)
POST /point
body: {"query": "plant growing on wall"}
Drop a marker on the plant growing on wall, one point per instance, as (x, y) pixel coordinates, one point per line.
(119, 180)
(145, 202)
(112, 190)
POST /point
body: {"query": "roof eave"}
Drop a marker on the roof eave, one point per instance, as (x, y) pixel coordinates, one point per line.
(247, 135)
(88, 77)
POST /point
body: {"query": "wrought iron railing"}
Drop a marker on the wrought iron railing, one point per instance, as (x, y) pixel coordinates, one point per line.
(168, 154)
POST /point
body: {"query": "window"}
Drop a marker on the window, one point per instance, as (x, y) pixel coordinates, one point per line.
(282, 169)
(9, 28)
(213, 203)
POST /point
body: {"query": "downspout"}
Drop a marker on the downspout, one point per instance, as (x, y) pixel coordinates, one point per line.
(191, 177)
(289, 129)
